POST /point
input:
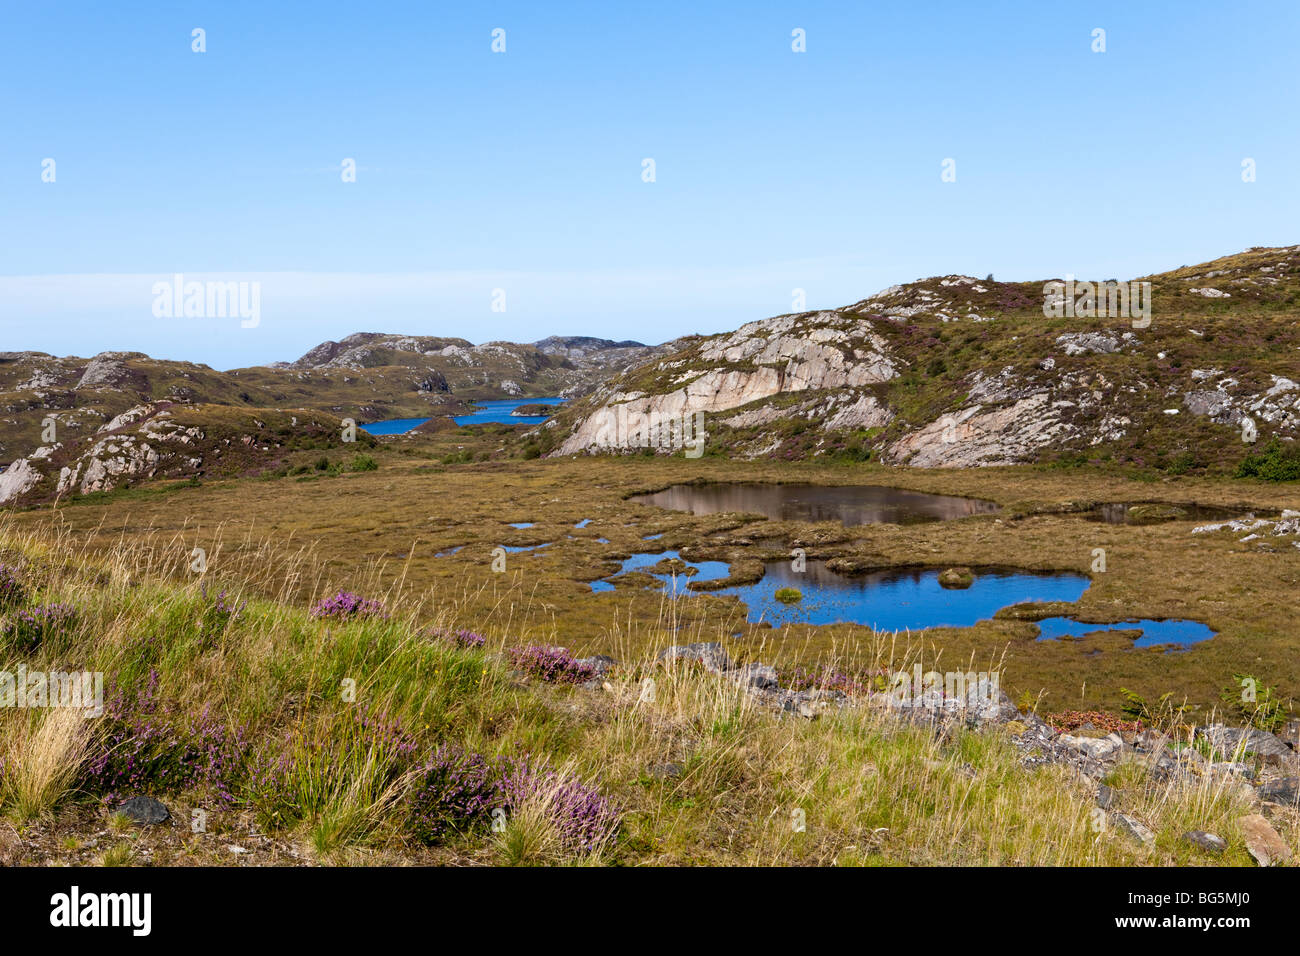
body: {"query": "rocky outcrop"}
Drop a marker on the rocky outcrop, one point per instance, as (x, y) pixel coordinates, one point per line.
(790, 353)
(957, 371)
(18, 479)
(162, 440)
(108, 369)
(1005, 435)
(124, 454)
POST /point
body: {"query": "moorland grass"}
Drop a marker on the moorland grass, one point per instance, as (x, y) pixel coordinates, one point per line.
(334, 722)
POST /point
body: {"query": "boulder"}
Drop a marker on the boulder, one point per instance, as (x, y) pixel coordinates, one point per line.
(1206, 841)
(1099, 748)
(1228, 740)
(1262, 841)
(18, 479)
(755, 675)
(600, 664)
(1285, 791)
(145, 811)
(710, 654)
(1135, 828)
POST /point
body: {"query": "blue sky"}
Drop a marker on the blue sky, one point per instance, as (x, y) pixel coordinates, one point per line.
(522, 170)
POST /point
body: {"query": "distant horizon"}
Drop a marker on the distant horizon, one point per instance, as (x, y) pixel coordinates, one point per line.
(104, 288)
(107, 292)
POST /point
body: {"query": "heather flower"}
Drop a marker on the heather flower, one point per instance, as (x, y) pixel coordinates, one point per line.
(460, 638)
(584, 819)
(149, 746)
(29, 628)
(218, 615)
(553, 664)
(380, 732)
(455, 792)
(12, 591)
(345, 604)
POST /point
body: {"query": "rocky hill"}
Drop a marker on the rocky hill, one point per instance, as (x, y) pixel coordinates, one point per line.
(168, 440)
(956, 371)
(368, 376)
(553, 366)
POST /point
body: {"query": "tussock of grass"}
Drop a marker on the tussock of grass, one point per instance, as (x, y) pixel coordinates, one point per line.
(43, 750)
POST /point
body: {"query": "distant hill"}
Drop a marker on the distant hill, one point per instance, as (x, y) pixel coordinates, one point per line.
(55, 411)
(368, 376)
(957, 371)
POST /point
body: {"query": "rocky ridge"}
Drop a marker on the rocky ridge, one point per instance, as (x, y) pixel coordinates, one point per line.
(960, 372)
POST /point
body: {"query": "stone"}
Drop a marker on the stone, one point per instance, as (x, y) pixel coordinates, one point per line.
(1099, 748)
(755, 675)
(1105, 797)
(665, 771)
(1035, 726)
(1151, 740)
(1230, 740)
(1084, 343)
(1206, 841)
(710, 654)
(1230, 769)
(600, 664)
(1135, 828)
(1262, 841)
(145, 811)
(787, 353)
(1285, 790)
(1290, 734)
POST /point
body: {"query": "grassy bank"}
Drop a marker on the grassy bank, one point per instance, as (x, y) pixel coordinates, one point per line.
(370, 733)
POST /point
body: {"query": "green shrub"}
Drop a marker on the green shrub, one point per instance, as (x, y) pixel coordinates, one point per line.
(362, 462)
(1275, 462)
